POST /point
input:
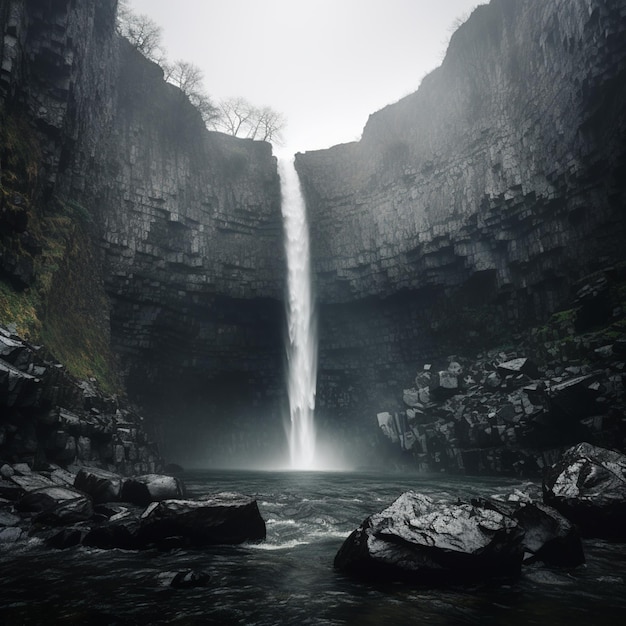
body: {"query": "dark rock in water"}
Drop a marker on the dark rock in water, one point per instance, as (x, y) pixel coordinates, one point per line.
(226, 518)
(101, 485)
(433, 543)
(119, 532)
(549, 536)
(8, 519)
(10, 490)
(588, 486)
(32, 482)
(10, 535)
(152, 488)
(67, 537)
(110, 509)
(190, 578)
(66, 512)
(46, 498)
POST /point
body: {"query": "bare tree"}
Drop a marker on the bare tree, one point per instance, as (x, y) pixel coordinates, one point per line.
(239, 118)
(269, 126)
(188, 78)
(234, 116)
(142, 32)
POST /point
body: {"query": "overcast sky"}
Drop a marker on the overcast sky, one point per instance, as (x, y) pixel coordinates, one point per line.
(325, 64)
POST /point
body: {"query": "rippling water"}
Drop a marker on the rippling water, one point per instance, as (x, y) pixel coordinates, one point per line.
(289, 579)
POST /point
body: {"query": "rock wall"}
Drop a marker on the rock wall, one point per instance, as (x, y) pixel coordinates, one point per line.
(192, 239)
(179, 229)
(469, 209)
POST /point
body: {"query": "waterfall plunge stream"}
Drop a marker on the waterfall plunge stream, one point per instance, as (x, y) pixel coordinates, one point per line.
(302, 346)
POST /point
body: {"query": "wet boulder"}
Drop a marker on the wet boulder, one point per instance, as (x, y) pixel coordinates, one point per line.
(575, 398)
(47, 497)
(185, 579)
(66, 512)
(548, 536)
(518, 366)
(10, 535)
(433, 543)
(101, 485)
(152, 488)
(588, 486)
(120, 531)
(8, 519)
(32, 482)
(67, 537)
(10, 491)
(444, 385)
(225, 518)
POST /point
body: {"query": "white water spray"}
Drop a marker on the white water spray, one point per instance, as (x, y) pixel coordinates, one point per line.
(302, 348)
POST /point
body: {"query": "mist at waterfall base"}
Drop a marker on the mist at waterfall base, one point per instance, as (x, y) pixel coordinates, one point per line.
(242, 433)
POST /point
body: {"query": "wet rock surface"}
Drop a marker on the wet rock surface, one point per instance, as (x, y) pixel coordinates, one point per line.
(48, 418)
(224, 518)
(436, 543)
(588, 486)
(510, 413)
(65, 517)
(433, 543)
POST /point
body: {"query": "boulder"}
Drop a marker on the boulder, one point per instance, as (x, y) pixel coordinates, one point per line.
(518, 366)
(187, 579)
(548, 536)
(574, 399)
(433, 543)
(121, 531)
(66, 512)
(152, 488)
(46, 498)
(8, 519)
(10, 491)
(226, 518)
(67, 537)
(444, 385)
(32, 482)
(10, 535)
(588, 486)
(101, 485)
(410, 397)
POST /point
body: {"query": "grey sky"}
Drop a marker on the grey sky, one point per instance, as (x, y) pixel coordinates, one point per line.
(325, 64)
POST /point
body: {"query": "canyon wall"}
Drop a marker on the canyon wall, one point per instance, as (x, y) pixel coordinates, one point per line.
(138, 229)
(469, 209)
(146, 252)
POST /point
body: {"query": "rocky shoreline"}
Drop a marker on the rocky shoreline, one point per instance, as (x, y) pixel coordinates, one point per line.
(433, 543)
(50, 418)
(514, 411)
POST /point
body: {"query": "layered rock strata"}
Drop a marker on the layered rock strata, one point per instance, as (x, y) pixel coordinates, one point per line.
(50, 417)
(181, 228)
(476, 202)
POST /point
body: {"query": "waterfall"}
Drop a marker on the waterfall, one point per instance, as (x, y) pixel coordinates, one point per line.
(302, 338)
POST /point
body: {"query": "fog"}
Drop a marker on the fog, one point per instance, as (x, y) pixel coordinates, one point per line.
(326, 65)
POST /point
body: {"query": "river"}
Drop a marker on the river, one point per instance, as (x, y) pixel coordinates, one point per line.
(289, 579)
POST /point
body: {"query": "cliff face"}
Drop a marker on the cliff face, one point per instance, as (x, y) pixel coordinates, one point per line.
(508, 160)
(173, 235)
(476, 203)
(468, 211)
